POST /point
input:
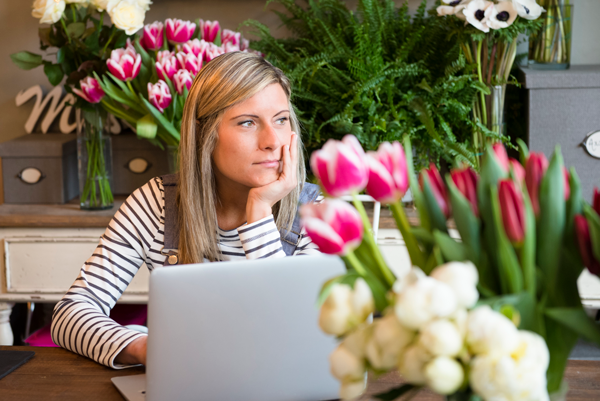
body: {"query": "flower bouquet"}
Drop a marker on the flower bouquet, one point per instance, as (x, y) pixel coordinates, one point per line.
(491, 310)
(488, 31)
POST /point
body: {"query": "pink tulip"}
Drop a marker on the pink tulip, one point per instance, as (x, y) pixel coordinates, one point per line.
(152, 38)
(90, 90)
(333, 225)
(230, 47)
(159, 95)
(596, 201)
(213, 51)
(166, 68)
(466, 182)
(567, 186)
(124, 64)
(501, 156)
(513, 211)
(388, 173)
(163, 54)
(179, 31)
(195, 47)
(437, 187)
(341, 166)
(181, 79)
(518, 170)
(535, 168)
(229, 36)
(210, 30)
(584, 240)
(245, 44)
(187, 61)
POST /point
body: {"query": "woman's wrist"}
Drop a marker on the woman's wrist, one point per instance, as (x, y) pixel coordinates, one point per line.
(134, 353)
(257, 210)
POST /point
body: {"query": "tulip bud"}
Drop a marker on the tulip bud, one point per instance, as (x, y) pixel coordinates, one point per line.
(152, 38)
(181, 79)
(166, 65)
(518, 170)
(584, 240)
(90, 90)
(340, 166)
(213, 51)
(230, 47)
(388, 173)
(210, 30)
(179, 31)
(466, 182)
(187, 61)
(501, 156)
(437, 187)
(535, 168)
(195, 47)
(512, 208)
(229, 36)
(567, 186)
(159, 95)
(333, 225)
(596, 201)
(245, 44)
(124, 64)
(444, 375)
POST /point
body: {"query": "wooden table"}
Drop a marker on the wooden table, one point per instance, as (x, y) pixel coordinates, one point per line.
(58, 374)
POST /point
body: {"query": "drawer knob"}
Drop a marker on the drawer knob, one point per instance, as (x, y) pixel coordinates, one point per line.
(138, 165)
(31, 175)
(591, 143)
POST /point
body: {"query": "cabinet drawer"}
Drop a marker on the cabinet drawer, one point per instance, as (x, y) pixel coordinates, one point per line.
(50, 265)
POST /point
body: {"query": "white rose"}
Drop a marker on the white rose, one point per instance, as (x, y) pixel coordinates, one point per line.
(412, 364)
(363, 303)
(126, 15)
(423, 300)
(82, 2)
(490, 332)
(101, 5)
(345, 307)
(441, 338)
(347, 361)
(388, 339)
(462, 277)
(444, 375)
(48, 11)
(352, 389)
(520, 375)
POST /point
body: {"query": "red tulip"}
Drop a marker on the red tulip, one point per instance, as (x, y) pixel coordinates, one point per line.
(535, 168)
(124, 64)
(179, 31)
(466, 181)
(153, 36)
(596, 203)
(388, 173)
(567, 185)
(501, 156)
(518, 170)
(438, 188)
(584, 240)
(513, 211)
(90, 90)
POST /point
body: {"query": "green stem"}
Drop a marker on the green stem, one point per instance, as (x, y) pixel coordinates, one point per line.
(129, 86)
(101, 23)
(368, 236)
(74, 12)
(416, 255)
(62, 21)
(479, 73)
(112, 34)
(355, 263)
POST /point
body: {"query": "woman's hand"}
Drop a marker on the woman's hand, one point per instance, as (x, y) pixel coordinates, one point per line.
(134, 353)
(262, 199)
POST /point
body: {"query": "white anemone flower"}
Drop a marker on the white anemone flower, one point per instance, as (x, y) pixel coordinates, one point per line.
(528, 9)
(453, 7)
(501, 15)
(475, 14)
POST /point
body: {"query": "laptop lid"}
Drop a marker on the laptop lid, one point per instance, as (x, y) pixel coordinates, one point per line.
(243, 330)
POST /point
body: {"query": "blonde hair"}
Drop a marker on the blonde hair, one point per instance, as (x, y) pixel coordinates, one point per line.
(225, 81)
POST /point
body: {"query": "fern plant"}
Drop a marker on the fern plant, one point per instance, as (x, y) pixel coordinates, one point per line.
(377, 73)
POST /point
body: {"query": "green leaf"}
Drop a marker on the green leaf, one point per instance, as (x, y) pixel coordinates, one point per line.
(438, 219)
(146, 59)
(560, 340)
(75, 29)
(524, 302)
(414, 185)
(466, 222)
(574, 207)
(54, 73)
(594, 223)
(577, 320)
(217, 40)
(60, 55)
(163, 121)
(452, 250)
(348, 278)
(395, 393)
(523, 151)
(26, 60)
(146, 127)
(527, 252)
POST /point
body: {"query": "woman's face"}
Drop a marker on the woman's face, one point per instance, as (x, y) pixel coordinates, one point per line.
(250, 139)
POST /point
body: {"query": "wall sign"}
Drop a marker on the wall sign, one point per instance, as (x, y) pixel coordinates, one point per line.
(67, 123)
(592, 144)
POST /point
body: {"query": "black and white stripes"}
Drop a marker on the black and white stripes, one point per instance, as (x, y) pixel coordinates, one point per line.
(136, 235)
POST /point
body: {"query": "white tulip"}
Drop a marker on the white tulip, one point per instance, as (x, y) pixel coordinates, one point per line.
(48, 11)
(490, 332)
(352, 389)
(423, 300)
(454, 7)
(345, 307)
(412, 364)
(462, 277)
(501, 15)
(528, 9)
(520, 375)
(388, 339)
(441, 338)
(475, 14)
(127, 15)
(444, 375)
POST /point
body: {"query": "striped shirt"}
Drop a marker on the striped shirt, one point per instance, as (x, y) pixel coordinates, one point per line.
(135, 235)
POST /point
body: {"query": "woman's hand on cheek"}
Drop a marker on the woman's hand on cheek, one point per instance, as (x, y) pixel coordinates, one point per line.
(262, 199)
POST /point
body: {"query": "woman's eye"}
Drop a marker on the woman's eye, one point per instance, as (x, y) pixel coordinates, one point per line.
(282, 120)
(247, 123)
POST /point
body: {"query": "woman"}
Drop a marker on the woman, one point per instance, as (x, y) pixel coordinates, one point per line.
(241, 177)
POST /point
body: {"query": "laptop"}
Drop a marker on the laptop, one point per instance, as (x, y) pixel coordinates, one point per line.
(245, 330)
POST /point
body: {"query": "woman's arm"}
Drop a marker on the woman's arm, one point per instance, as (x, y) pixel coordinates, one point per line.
(81, 321)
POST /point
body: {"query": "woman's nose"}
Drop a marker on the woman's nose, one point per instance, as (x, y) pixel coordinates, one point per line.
(268, 138)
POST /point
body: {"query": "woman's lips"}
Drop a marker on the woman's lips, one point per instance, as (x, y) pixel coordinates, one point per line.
(269, 163)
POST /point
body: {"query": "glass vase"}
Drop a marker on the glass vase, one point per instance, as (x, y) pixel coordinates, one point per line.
(550, 47)
(488, 110)
(94, 161)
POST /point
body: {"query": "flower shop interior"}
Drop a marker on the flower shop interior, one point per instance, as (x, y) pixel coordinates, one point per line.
(462, 138)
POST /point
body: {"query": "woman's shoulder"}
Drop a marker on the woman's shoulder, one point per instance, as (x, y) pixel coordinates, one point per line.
(150, 196)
